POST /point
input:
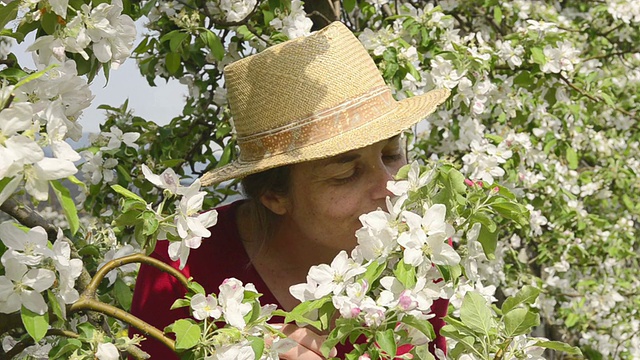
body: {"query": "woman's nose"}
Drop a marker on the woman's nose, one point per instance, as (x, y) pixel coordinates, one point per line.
(383, 174)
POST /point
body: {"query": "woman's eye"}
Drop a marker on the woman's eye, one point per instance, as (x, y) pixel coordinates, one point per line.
(346, 178)
(390, 158)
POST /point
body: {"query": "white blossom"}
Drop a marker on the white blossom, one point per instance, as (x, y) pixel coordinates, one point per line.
(27, 248)
(107, 351)
(205, 307)
(21, 286)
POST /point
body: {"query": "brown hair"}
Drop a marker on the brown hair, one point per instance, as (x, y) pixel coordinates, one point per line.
(254, 186)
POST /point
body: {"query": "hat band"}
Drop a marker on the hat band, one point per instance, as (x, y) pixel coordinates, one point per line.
(317, 127)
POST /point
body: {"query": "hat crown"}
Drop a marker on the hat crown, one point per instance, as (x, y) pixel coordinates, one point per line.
(292, 81)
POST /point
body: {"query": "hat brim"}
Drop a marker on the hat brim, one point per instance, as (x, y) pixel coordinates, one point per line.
(407, 113)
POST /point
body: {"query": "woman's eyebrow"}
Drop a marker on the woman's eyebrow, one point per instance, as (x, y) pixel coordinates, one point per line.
(342, 159)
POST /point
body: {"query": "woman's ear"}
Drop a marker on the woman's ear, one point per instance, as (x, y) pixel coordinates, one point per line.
(278, 204)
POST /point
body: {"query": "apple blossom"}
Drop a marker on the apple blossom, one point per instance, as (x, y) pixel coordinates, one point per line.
(27, 248)
(205, 307)
(21, 286)
(107, 351)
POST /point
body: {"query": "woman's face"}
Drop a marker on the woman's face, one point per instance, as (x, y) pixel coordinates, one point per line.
(327, 196)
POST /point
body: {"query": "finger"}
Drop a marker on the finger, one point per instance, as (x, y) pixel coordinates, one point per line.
(309, 341)
(300, 353)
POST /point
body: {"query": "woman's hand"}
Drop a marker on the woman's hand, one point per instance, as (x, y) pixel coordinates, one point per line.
(309, 343)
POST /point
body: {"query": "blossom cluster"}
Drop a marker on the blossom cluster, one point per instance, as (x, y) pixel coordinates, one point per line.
(540, 109)
(233, 322)
(189, 224)
(403, 263)
(32, 267)
(103, 29)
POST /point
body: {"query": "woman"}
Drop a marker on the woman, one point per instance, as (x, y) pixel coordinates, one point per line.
(319, 138)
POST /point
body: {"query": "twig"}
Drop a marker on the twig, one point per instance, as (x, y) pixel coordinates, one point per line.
(89, 301)
(593, 98)
(605, 56)
(386, 10)
(19, 347)
(86, 303)
(604, 34)
(336, 9)
(134, 258)
(318, 13)
(28, 217)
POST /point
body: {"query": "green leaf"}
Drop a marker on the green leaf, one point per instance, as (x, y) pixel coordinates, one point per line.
(497, 14)
(538, 56)
(35, 324)
(124, 173)
(387, 342)
(607, 99)
(456, 181)
(348, 5)
(13, 74)
(257, 344)
(403, 172)
(34, 76)
(484, 219)
(627, 202)
(226, 156)
(187, 334)
(524, 80)
(172, 63)
(54, 305)
(424, 327)
(214, 44)
(176, 41)
(520, 321)
(412, 70)
(299, 313)
(179, 303)
(374, 270)
(150, 223)
(49, 22)
(89, 250)
(196, 288)
(68, 206)
(325, 314)
(422, 352)
(489, 241)
(572, 158)
(8, 12)
(465, 340)
(571, 320)
(560, 346)
(475, 313)
(496, 139)
(406, 274)
(123, 294)
(65, 346)
(339, 333)
(527, 295)
(243, 31)
(127, 193)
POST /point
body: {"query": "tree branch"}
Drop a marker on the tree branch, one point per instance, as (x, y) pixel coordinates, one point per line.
(89, 301)
(90, 291)
(28, 217)
(595, 98)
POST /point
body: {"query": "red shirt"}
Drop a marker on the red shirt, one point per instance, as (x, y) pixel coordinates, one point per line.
(220, 256)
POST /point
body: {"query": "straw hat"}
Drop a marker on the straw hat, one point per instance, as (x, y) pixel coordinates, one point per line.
(312, 98)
